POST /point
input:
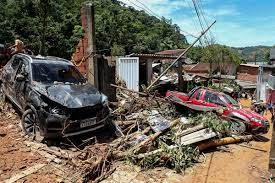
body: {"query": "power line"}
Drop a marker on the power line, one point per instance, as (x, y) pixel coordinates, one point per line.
(200, 20)
(150, 12)
(193, 21)
(146, 7)
(205, 20)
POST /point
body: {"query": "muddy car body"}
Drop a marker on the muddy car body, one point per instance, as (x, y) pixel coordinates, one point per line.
(205, 99)
(53, 96)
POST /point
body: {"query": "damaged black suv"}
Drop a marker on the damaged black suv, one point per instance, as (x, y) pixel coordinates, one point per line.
(54, 98)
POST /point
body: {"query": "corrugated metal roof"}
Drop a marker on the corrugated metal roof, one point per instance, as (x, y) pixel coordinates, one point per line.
(159, 56)
(175, 52)
(249, 65)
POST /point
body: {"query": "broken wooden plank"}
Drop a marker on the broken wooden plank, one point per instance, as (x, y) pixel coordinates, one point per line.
(191, 130)
(25, 173)
(197, 136)
(153, 137)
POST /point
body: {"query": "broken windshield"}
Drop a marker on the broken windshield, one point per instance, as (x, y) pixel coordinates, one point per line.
(54, 72)
(230, 100)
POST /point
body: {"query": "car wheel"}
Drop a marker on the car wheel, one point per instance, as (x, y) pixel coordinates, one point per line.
(2, 95)
(30, 126)
(113, 129)
(237, 128)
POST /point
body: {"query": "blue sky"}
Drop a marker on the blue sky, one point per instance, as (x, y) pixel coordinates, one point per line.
(239, 22)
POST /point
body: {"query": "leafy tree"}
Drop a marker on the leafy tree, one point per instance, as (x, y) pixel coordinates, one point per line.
(53, 27)
(219, 54)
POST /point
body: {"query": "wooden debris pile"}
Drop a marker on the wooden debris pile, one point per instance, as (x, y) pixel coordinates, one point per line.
(153, 135)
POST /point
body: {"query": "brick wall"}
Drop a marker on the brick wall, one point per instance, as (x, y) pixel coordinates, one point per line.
(247, 73)
(82, 47)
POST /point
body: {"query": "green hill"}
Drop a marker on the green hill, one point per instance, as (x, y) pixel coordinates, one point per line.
(249, 54)
(53, 27)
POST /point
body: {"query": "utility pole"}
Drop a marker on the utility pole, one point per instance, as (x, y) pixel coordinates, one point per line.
(179, 57)
(255, 57)
(92, 72)
(220, 69)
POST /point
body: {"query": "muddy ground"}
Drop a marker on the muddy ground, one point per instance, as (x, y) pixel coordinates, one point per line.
(246, 162)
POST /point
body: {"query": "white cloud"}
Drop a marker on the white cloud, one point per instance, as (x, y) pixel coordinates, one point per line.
(224, 11)
(231, 28)
(160, 7)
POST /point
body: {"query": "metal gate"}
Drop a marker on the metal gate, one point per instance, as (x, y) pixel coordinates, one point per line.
(261, 86)
(128, 71)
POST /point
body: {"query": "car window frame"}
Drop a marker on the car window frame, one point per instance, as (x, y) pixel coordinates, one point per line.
(78, 72)
(199, 95)
(24, 61)
(211, 99)
(12, 61)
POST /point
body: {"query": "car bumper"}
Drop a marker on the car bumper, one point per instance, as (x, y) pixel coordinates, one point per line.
(262, 129)
(54, 126)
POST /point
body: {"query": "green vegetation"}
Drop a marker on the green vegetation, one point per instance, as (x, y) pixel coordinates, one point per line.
(54, 27)
(214, 53)
(253, 53)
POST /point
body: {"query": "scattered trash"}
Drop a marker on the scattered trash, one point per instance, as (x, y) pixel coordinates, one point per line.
(157, 122)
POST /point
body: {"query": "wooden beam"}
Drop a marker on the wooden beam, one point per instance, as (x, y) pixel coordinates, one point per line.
(25, 173)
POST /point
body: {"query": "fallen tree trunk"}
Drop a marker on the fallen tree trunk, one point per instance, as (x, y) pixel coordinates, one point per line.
(224, 141)
(204, 146)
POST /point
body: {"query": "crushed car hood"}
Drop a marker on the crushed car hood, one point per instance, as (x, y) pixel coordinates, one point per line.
(71, 96)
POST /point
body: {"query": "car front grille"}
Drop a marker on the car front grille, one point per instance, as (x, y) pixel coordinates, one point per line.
(86, 112)
(78, 115)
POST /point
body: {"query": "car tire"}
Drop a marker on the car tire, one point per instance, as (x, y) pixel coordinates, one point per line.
(30, 126)
(114, 129)
(3, 97)
(237, 128)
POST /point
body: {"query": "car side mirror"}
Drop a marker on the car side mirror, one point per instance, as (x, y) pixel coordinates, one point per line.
(20, 78)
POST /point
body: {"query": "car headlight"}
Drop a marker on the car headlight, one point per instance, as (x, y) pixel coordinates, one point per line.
(57, 110)
(104, 100)
(256, 120)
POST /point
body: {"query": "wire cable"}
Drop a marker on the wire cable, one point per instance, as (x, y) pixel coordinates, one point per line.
(152, 13)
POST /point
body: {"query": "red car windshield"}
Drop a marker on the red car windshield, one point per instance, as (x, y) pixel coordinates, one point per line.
(229, 100)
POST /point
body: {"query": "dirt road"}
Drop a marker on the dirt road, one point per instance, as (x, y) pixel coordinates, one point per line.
(15, 155)
(243, 163)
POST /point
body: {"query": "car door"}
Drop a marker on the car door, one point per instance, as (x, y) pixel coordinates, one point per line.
(9, 76)
(20, 86)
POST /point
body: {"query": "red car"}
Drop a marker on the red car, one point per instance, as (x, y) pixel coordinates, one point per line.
(204, 99)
